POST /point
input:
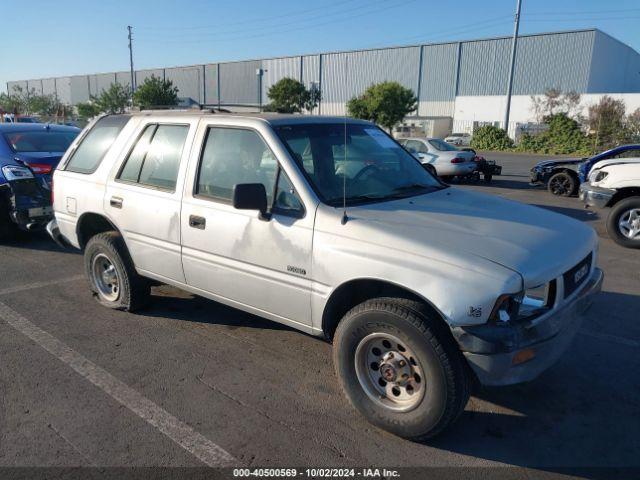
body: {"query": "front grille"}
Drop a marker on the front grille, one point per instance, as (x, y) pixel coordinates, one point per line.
(575, 277)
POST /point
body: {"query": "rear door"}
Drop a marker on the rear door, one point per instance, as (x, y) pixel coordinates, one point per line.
(143, 195)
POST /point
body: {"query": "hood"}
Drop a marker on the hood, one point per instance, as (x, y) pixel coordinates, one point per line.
(534, 242)
(614, 161)
(557, 163)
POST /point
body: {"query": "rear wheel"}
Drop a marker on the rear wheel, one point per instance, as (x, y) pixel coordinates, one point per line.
(8, 229)
(400, 368)
(623, 223)
(563, 184)
(112, 276)
(430, 168)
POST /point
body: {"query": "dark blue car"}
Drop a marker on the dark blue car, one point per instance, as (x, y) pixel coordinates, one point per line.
(563, 177)
(28, 154)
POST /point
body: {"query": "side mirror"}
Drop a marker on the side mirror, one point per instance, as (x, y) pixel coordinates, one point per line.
(251, 196)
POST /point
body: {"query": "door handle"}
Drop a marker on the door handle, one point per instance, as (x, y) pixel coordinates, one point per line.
(116, 202)
(197, 222)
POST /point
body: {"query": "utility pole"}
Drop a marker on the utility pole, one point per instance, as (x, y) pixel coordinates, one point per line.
(514, 42)
(133, 78)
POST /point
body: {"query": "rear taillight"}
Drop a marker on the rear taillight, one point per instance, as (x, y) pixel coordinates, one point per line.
(40, 167)
(458, 160)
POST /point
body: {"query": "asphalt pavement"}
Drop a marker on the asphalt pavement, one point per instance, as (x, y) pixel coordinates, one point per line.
(81, 385)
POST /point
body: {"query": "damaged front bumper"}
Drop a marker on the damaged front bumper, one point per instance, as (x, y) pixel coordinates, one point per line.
(509, 354)
(28, 203)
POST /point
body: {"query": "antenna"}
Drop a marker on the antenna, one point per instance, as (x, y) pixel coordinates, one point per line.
(345, 218)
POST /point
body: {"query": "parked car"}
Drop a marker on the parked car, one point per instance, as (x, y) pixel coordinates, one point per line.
(563, 177)
(10, 118)
(459, 139)
(616, 185)
(421, 287)
(441, 158)
(28, 153)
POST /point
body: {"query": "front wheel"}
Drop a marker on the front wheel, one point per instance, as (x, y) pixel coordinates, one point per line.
(623, 223)
(400, 368)
(112, 276)
(563, 184)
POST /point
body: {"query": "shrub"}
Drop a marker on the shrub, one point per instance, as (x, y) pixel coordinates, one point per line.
(564, 136)
(155, 92)
(288, 95)
(489, 137)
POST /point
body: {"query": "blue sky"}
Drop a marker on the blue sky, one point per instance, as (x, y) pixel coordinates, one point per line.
(67, 37)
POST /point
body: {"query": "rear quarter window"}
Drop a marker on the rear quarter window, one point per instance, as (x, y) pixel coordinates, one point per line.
(96, 143)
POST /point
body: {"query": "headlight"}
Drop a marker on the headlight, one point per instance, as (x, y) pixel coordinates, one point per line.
(531, 303)
(600, 175)
(14, 172)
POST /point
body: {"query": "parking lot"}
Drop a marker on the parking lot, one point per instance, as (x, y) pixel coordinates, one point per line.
(267, 395)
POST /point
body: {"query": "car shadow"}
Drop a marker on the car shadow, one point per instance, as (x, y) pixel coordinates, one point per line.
(37, 241)
(501, 182)
(168, 302)
(581, 214)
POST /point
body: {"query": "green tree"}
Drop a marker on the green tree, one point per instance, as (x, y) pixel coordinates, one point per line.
(633, 126)
(489, 137)
(155, 92)
(291, 96)
(114, 99)
(385, 103)
(88, 109)
(564, 136)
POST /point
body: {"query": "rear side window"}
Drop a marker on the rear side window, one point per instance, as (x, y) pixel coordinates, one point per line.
(96, 144)
(155, 159)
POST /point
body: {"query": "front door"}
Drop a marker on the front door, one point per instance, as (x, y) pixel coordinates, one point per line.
(241, 259)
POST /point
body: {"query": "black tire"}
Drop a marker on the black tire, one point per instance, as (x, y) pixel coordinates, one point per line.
(620, 210)
(133, 291)
(488, 177)
(8, 229)
(445, 371)
(562, 184)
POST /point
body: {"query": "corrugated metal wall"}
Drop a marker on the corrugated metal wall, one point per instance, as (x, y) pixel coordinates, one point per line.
(345, 75)
(615, 67)
(438, 80)
(49, 86)
(239, 82)
(580, 61)
(211, 83)
(276, 69)
(189, 81)
(35, 86)
(142, 75)
(20, 84)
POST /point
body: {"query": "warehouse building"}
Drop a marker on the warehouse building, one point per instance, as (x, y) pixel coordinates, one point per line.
(459, 85)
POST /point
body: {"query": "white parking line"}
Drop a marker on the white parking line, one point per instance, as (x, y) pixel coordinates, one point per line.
(181, 433)
(46, 283)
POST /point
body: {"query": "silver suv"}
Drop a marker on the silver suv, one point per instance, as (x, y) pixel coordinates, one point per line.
(331, 227)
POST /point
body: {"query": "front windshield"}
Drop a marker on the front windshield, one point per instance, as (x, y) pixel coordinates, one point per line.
(440, 145)
(373, 168)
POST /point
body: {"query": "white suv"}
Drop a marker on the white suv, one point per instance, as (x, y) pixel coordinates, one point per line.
(333, 228)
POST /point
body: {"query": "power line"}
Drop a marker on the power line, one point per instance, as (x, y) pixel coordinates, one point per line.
(300, 22)
(279, 31)
(248, 21)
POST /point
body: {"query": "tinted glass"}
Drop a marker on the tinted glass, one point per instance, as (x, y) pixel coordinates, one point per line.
(232, 156)
(372, 167)
(441, 145)
(131, 170)
(96, 143)
(40, 141)
(162, 161)
(287, 201)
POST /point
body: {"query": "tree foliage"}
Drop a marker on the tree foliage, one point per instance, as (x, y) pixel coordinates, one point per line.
(291, 96)
(555, 101)
(489, 137)
(385, 103)
(564, 136)
(155, 92)
(606, 122)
